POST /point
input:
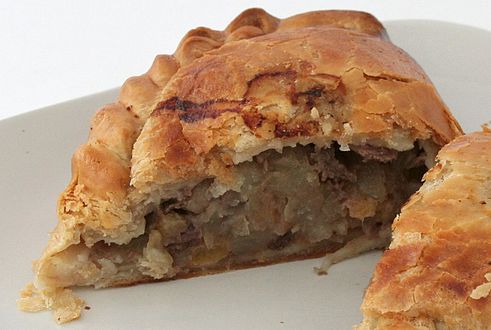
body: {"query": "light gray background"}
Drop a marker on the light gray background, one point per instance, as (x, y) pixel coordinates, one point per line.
(285, 296)
(56, 50)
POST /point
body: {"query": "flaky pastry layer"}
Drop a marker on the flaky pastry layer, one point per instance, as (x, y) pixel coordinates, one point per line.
(437, 271)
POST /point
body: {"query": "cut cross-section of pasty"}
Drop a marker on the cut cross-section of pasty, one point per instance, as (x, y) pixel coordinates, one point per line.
(437, 271)
(271, 141)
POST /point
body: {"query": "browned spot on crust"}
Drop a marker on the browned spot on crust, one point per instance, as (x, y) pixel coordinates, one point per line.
(395, 261)
(191, 112)
(311, 95)
(176, 103)
(197, 115)
(458, 288)
(301, 129)
(285, 81)
(288, 75)
(386, 77)
(253, 120)
(315, 92)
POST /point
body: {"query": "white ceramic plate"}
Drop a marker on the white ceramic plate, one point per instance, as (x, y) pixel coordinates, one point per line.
(35, 151)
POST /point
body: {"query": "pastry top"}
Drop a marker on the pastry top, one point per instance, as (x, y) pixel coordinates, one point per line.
(300, 85)
(437, 271)
(350, 20)
(225, 96)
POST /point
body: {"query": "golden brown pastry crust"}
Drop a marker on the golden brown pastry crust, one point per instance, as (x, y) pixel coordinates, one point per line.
(436, 272)
(225, 96)
(97, 204)
(221, 94)
(382, 89)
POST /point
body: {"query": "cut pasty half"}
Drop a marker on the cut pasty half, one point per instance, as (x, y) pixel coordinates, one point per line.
(273, 140)
(437, 271)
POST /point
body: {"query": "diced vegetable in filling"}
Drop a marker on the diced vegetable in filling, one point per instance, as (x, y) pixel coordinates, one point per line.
(303, 201)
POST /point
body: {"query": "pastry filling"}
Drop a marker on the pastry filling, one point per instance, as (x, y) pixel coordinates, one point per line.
(301, 202)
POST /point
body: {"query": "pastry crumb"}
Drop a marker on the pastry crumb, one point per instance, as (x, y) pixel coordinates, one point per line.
(351, 249)
(314, 113)
(66, 306)
(483, 290)
(485, 127)
(30, 300)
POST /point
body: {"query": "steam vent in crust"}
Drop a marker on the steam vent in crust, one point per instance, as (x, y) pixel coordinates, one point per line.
(273, 140)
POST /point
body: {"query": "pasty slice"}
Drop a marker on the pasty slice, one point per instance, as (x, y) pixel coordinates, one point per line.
(436, 273)
(271, 141)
